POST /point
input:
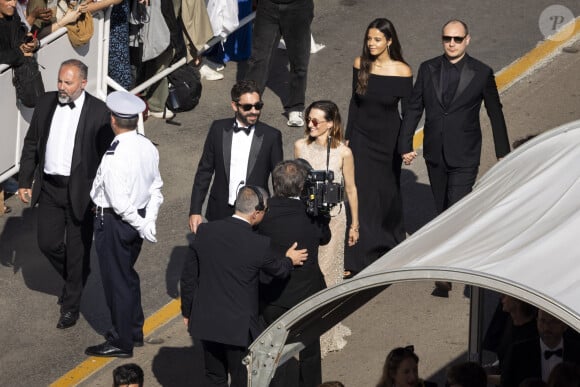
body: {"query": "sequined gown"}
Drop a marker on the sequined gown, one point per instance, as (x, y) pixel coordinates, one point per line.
(330, 256)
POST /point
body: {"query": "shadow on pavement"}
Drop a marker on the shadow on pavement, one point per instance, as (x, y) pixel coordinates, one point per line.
(418, 204)
(19, 251)
(179, 366)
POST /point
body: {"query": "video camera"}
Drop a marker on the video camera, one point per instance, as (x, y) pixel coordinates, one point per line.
(320, 193)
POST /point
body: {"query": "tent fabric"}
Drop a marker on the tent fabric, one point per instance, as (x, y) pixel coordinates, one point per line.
(518, 226)
(515, 233)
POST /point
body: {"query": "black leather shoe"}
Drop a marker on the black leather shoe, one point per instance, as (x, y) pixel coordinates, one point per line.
(67, 320)
(138, 343)
(442, 289)
(107, 350)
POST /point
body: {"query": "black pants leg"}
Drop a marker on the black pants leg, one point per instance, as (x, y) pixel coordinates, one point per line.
(118, 246)
(221, 359)
(450, 184)
(310, 363)
(65, 241)
(295, 20)
(265, 40)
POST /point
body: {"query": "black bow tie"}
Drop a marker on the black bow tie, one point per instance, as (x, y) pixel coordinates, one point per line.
(548, 354)
(242, 128)
(69, 104)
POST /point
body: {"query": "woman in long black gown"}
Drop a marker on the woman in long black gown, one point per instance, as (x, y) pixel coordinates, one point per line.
(381, 79)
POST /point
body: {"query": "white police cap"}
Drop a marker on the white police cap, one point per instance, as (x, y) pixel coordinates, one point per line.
(124, 104)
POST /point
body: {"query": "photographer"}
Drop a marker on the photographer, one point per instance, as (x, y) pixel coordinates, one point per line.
(285, 222)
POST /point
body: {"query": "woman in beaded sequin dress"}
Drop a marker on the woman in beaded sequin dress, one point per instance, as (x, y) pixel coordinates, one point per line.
(323, 125)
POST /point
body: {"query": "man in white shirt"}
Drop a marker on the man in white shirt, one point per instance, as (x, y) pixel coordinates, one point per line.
(239, 151)
(68, 134)
(127, 195)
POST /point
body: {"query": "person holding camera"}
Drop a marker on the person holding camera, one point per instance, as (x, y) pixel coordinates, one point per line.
(285, 222)
(324, 138)
(220, 283)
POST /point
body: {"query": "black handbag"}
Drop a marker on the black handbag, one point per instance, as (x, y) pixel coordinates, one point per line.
(28, 83)
(184, 89)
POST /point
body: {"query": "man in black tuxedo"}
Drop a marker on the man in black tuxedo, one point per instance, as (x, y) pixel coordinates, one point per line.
(285, 222)
(535, 358)
(69, 133)
(225, 267)
(450, 88)
(237, 151)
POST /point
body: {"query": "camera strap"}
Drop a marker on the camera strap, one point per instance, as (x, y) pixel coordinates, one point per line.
(328, 141)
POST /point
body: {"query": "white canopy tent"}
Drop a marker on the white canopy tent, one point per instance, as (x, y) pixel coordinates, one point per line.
(515, 233)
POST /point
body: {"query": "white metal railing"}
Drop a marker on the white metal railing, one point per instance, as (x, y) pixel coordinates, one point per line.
(55, 48)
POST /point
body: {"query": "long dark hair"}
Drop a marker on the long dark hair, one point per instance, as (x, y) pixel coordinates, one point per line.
(366, 59)
(392, 363)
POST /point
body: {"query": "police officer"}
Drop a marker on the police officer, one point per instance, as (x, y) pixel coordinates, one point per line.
(127, 195)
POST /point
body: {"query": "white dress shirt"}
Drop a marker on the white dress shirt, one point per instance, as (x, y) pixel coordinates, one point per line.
(549, 364)
(128, 179)
(61, 138)
(239, 156)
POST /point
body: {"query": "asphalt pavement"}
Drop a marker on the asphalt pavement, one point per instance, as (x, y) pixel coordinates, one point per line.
(35, 353)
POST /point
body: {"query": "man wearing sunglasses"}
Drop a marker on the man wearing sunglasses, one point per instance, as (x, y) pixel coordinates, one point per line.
(238, 151)
(450, 89)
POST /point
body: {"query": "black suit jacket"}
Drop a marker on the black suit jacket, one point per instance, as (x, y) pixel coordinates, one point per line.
(93, 136)
(229, 256)
(286, 222)
(454, 130)
(265, 153)
(524, 360)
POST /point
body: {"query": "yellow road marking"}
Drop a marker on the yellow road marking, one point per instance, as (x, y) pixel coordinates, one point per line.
(93, 364)
(504, 78)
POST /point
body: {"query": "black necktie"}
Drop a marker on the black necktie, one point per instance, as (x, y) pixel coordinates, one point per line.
(243, 128)
(69, 104)
(548, 354)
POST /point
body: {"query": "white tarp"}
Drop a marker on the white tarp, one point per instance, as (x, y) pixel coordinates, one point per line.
(515, 233)
(520, 225)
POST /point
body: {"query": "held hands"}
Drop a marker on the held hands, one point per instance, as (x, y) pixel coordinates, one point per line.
(25, 194)
(149, 231)
(194, 221)
(297, 256)
(409, 157)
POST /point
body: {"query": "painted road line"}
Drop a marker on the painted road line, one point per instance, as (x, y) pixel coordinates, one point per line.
(525, 65)
(94, 364)
(504, 78)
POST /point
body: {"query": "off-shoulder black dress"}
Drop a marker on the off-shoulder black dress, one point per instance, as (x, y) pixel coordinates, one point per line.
(372, 132)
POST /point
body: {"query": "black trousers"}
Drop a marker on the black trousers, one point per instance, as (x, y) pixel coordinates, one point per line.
(118, 246)
(221, 359)
(450, 184)
(292, 21)
(310, 363)
(64, 240)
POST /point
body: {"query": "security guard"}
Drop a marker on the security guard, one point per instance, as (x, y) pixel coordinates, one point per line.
(127, 195)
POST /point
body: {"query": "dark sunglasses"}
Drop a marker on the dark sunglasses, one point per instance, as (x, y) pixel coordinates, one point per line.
(314, 121)
(248, 106)
(457, 39)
